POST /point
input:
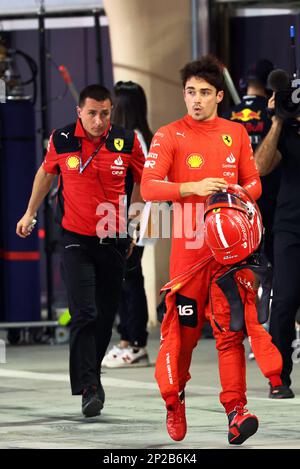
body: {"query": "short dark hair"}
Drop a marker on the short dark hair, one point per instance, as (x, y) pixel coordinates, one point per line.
(258, 73)
(96, 92)
(208, 67)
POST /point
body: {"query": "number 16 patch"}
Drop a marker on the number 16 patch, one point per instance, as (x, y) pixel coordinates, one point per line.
(187, 310)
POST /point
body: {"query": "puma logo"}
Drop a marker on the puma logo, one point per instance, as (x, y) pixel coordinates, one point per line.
(181, 134)
(65, 135)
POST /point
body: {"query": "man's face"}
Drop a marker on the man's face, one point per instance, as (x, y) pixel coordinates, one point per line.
(95, 116)
(201, 99)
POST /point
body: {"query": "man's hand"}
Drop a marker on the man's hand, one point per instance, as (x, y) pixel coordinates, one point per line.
(203, 188)
(271, 102)
(41, 186)
(26, 225)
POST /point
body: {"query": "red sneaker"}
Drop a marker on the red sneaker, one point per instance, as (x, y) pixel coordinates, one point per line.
(242, 425)
(176, 421)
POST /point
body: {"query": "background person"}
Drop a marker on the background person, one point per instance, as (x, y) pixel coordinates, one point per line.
(282, 146)
(130, 111)
(253, 114)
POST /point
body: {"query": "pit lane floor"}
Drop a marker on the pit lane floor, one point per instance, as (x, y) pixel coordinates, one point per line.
(37, 410)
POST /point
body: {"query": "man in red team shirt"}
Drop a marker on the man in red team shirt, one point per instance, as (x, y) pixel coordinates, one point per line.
(91, 158)
(201, 154)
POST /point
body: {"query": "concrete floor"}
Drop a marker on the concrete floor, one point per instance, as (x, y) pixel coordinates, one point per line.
(37, 410)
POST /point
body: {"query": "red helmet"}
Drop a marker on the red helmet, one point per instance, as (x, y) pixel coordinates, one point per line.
(233, 225)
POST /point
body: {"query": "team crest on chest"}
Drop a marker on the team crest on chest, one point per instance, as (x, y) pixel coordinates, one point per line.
(195, 161)
(118, 143)
(72, 162)
(227, 140)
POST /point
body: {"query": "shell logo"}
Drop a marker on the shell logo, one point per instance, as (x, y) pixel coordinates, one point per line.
(72, 162)
(195, 161)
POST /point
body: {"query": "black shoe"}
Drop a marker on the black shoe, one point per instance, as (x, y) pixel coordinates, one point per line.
(101, 393)
(91, 403)
(281, 392)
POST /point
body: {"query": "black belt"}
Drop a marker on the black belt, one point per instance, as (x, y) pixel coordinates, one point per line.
(115, 241)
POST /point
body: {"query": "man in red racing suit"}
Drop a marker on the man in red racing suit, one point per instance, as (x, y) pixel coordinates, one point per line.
(201, 154)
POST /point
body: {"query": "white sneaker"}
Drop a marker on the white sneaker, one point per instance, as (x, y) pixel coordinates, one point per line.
(112, 355)
(127, 357)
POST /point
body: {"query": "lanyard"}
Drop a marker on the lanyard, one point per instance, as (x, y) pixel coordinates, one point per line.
(81, 166)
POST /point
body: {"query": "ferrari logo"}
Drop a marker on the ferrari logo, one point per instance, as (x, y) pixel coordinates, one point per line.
(216, 210)
(119, 143)
(227, 140)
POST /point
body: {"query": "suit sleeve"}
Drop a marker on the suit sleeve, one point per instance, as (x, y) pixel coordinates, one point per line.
(157, 166)
(137, 160)
(50, 163)
(248, 173)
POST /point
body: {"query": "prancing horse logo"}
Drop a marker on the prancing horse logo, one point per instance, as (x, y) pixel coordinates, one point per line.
(227, 140)
(119, 143)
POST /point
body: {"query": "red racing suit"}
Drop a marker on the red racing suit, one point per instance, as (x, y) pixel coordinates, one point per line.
(188, 150)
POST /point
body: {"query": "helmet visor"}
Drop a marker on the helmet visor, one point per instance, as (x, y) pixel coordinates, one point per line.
(224, 199)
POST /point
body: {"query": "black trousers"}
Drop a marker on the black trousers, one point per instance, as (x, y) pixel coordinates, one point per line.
(93, 274)
(286, 297)
(133, 310)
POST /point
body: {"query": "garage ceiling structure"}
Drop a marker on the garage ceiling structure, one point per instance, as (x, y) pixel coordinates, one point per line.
(15, 7)
(275, 3)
